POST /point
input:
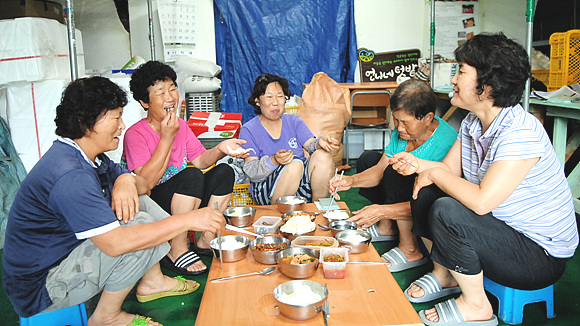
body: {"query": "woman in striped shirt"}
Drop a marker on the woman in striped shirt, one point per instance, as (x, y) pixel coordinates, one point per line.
(499, 204)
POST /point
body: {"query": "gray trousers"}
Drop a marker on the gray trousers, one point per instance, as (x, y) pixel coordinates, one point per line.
(88, 270)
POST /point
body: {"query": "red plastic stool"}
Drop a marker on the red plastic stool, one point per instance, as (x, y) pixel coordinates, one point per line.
(512, 301)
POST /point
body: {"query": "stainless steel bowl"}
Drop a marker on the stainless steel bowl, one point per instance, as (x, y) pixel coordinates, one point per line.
(337, 215)
(298, 270)
(300, 311)
(287, 216)
(345, 239)
(230, 255)
(240, 216)
(337, 226)
(289, 204)
(267, 257)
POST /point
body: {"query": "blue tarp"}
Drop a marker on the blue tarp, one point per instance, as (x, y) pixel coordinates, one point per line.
(292, 38)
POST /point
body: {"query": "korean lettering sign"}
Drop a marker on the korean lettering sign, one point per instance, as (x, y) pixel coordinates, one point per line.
(387, 66)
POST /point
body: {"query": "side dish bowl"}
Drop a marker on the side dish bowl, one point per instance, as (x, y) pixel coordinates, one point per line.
(298, 271)
(268, 256)
(341, 225)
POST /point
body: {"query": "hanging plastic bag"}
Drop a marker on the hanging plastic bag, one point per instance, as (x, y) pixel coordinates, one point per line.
(325, 109)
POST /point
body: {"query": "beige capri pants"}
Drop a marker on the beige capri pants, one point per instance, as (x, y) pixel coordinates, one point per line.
(88, 270)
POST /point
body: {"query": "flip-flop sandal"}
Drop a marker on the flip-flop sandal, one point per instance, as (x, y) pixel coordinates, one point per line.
(142, 321)
(182, 287)
(201, 251)
(449, 314)
(399, 262)
(378, 237)
(182, 263)
(432, 288)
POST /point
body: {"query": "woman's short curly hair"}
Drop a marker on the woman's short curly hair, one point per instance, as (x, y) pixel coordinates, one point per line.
(260, 86)
(501, 63)
(147, 75)
(84, 102)
(415, 97)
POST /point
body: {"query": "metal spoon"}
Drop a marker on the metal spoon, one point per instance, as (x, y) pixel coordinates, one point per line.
(265, 271)
(324, 227)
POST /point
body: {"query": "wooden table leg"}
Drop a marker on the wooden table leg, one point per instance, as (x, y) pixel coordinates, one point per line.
(449, 113)
(572, 144)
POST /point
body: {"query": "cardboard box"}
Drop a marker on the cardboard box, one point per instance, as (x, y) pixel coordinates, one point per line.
(215, 124)
(34, 49)
(31, 8)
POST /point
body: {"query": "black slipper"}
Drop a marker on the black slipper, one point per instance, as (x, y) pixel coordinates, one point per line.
(200, 251)
(182, 263)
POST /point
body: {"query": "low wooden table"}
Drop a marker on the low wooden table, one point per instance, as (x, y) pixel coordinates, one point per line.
(368, 295)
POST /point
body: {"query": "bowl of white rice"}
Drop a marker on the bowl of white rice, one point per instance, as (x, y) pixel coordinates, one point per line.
(356, 241)
(234, 247)
(288, 204)
(241, 216)
(337, 215)
(300, 299)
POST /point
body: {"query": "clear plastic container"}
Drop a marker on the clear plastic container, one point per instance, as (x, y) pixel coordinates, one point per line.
(334, 269)
(310, 241)
(267, 224)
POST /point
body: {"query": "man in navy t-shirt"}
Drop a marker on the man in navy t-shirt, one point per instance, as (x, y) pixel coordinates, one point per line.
(78, 226)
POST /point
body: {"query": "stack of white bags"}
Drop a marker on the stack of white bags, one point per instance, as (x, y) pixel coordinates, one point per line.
(197, 76)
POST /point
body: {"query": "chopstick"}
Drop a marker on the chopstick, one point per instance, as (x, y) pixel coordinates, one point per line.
(240, 230)
(391, 154)
(335, 191)
(325, 310)
(219, 239)
(335, 172)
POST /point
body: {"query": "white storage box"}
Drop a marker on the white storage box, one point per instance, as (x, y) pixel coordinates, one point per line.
(444, 72)
(132, 113)
(267, 224)
(33, 49)
(30, 109)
